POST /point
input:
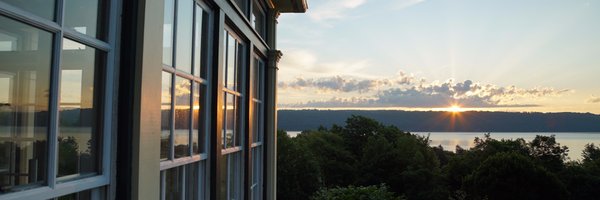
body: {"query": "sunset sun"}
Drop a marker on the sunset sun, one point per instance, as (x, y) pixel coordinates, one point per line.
(455, 109)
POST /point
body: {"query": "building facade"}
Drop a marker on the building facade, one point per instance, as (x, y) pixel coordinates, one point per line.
(139, 99)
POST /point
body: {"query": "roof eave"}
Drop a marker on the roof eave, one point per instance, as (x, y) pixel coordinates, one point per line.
(290, 6)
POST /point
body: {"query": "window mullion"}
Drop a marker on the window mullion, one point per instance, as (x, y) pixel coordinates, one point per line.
(107, 144)
(172, 120)
(36, 21)
(193, 86)
(193, 90)
(55, 99)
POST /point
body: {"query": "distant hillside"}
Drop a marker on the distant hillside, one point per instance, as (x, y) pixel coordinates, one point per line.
(430, 121)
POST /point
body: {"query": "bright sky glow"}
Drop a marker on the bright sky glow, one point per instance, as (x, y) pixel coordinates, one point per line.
(455, 109)
(509, 55)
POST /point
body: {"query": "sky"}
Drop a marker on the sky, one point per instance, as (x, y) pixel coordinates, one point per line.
(492, 55)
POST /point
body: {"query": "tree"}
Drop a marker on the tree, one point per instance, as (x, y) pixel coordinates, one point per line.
(298, 174)
(357, 131)
(336, 164)
(68, 161)
(513, 176)
(548, 152)
(591, 153)
(356, 193)
(405, 164)
(580, 181)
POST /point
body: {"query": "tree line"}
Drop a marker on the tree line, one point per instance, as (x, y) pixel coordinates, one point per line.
(365, 159)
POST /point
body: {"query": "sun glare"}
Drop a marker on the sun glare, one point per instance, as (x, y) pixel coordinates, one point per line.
(455, 109)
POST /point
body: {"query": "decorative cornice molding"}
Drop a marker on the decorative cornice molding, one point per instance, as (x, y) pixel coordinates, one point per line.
(275, 57)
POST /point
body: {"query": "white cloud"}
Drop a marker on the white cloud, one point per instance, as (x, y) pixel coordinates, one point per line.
(300, 62)
(409, 91)
(340, 83)
(402, 4)
(333, 9)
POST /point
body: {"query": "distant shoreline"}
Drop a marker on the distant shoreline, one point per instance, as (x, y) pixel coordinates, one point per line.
(440, 121)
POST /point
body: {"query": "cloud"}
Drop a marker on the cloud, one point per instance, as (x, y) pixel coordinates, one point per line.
(402, 4)
(593, 99)
(333, 9)
(349, 84)
(304, 62)
(405, 90)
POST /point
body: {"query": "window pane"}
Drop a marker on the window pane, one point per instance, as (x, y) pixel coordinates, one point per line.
(257, 125)
(25, 54)
(198, 40)
(43, 8)
(197, 131)
(194, 180)
(243, 5)
(257, 172)
(257, 79)
(185, 17)
(230, 117)
(79, 136)
(168, 33)
(182, 117)
(173, 183)
(233, 175)
(83, 195)
(258, 20)
(231, 67)
(165, 110)
(261, 81)
(86, 16)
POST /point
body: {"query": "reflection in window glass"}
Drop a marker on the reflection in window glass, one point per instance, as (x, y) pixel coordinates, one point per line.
(43, 8)
(233, 175)
(198, 40)
(182, 117)
(24, 86)
(257, 88)
(87, 17)
(257, 125)
(173, 183)
(257, 169)
(231, 65)
(197, 133)
(78, 137)
(167, 55)
(258, 19)
(191, 181)
(243, 5)
(259, 79)
(229, 132)
(257, 74)
(185, 17)
(165, 115)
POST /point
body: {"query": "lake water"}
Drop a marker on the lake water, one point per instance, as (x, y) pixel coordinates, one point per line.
(449, 140)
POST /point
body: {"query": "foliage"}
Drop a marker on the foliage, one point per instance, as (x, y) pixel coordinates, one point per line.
(405, 164)
(513, 176)
(68, 149)
(336, 163)
(298, 174)
(546, 150)
(356, 193)
(591, 153)
(580, 181)
(365, 152)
